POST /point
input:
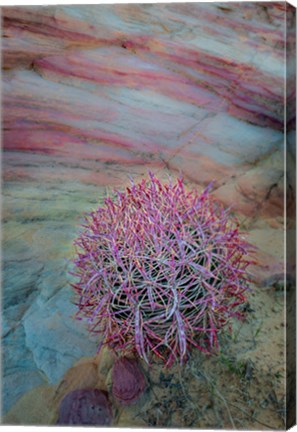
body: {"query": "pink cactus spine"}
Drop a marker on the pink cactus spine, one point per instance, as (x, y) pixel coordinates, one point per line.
(160, 269)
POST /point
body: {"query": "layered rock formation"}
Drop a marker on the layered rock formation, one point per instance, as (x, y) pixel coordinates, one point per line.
(95, 94)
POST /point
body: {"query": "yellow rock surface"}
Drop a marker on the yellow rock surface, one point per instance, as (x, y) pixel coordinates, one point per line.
(37, 407)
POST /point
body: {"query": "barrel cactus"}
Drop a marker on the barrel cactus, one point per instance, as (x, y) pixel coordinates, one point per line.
(160, 269)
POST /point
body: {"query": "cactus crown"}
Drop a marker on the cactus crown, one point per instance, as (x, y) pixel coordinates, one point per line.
(160, 269)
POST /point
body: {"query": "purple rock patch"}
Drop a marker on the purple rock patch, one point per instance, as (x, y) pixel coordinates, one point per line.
(128, 382)
(85, 407)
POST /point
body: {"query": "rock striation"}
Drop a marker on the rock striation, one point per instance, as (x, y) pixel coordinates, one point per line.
(93, 94)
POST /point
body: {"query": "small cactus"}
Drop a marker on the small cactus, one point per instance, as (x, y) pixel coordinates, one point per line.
(160, 269)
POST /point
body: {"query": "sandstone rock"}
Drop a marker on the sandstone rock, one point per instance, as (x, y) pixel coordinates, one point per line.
(94, 94)
(20, 280)
(18, 383)
(36, 407)
(20, 373)
(78, 377)
(130, 419)
(58, 340)
(53, 277)
(105, 360)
